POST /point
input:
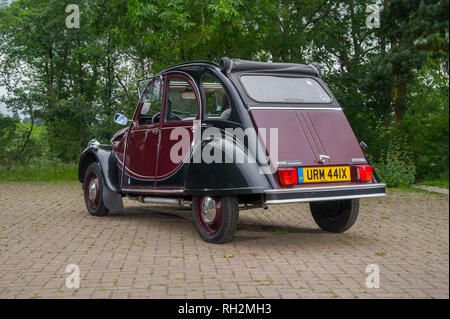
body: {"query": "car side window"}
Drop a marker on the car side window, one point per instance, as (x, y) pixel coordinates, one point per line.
(217, 100)
(152, 100)
(181, 104)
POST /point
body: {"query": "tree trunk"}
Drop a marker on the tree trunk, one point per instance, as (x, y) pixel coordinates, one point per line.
(28, 136)
(400, 101)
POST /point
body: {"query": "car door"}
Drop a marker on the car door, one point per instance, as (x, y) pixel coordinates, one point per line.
(181, 109)
(143, 138)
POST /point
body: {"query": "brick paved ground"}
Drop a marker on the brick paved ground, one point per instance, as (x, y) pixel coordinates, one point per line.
(149, 252)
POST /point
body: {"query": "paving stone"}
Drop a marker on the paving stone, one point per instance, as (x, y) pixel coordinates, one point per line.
(151, 251)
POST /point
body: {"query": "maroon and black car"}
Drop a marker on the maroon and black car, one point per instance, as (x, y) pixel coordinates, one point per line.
(233, 135)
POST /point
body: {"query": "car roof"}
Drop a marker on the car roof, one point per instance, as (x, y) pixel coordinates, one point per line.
(203, 63)
(227, 65)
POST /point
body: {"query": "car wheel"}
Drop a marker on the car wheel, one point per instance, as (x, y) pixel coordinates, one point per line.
(93, 190)
(215, 218)
(335, 216)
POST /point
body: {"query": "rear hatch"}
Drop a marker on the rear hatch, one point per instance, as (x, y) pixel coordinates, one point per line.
(310, 137)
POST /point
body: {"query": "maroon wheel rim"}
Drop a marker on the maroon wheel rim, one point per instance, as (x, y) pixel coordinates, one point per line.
(209, 219)
(92, 190)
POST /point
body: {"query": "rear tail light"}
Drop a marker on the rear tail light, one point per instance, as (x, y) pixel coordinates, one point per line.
(288, 176)
(364, 173)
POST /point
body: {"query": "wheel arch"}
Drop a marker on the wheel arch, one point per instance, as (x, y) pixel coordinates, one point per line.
(106, 159)
(108, 163)
(225, 179)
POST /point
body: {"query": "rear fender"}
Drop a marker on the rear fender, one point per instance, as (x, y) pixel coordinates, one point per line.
(225, 179)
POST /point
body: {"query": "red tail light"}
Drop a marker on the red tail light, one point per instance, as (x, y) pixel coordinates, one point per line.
(364, 173)
(288, 176)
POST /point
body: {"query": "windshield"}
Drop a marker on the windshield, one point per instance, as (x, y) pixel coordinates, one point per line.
(284, 89)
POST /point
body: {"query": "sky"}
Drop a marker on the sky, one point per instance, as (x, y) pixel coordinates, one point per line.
(2, 106)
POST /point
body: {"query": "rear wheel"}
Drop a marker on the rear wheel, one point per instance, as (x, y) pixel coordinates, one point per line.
(215, 218)
(335, 216)
(93, 190)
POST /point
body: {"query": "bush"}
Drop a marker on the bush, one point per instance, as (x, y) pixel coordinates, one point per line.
(397, 168)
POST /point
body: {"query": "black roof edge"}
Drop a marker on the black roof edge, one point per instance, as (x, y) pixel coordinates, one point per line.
(189, 63)
(228, 65)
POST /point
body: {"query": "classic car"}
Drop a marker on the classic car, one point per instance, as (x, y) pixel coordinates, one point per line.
(223, 137)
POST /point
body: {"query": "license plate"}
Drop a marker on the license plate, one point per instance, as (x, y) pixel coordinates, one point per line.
(324, 174)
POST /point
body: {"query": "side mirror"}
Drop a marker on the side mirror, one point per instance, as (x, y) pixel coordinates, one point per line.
(120, 119)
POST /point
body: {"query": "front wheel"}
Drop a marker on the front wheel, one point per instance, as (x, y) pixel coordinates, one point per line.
(215, 218)
(93, 190)
(335, 216)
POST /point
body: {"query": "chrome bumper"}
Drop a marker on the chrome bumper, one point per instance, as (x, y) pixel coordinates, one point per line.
(324, 193)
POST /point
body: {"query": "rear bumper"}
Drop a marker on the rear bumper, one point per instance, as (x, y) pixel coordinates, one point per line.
(324, 193)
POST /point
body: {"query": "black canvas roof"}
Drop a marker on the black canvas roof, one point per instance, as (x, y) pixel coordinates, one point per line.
(228, 65)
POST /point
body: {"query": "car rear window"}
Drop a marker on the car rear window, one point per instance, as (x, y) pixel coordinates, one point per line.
(284, 89)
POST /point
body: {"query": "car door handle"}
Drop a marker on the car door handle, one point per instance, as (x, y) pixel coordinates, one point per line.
(155, 131)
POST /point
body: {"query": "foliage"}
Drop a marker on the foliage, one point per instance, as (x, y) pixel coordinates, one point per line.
(426, 123)
(70, 82)
(40, 172)
(12, 137)
(396, 168)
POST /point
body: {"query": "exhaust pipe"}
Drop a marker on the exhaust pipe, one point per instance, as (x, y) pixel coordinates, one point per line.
(161, 200)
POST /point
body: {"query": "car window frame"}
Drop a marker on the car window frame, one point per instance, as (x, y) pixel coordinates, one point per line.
(227, 93)
(186, 77)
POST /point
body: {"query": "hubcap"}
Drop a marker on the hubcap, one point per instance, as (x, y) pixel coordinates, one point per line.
(209, 209)
(93, 189)
(209, 214)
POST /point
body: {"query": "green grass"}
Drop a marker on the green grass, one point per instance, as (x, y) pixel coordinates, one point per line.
(443, 183)
(55, 172)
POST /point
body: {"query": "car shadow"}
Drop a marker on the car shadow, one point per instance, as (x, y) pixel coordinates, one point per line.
(245, 231)
(139, 212)
(279, 229)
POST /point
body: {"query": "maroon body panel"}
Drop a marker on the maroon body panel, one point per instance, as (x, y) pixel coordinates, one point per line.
(141, 152)
(306, 134)
(167, 167)
(144, 154)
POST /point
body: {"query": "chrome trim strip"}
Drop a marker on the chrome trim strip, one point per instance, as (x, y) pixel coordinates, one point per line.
(324, 188)
(293, 108)
(300, 200)
(156, 191)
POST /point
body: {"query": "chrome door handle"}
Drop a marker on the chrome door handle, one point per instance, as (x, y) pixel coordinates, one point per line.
(155, 131)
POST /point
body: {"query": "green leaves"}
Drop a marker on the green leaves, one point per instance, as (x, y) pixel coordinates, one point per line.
(74, 80)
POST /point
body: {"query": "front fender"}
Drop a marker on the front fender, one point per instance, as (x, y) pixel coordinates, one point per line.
(104, 155)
